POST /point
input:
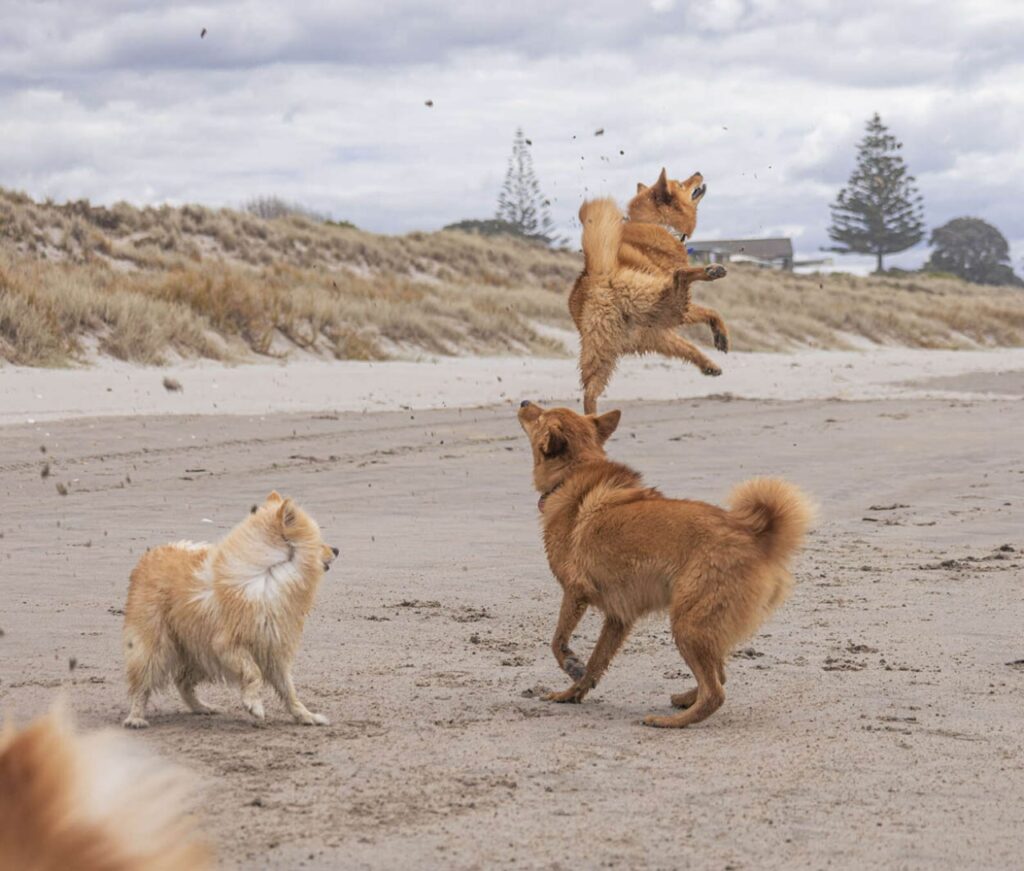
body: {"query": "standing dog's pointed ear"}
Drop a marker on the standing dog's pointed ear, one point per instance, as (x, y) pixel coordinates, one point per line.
(606, 424)
(661, 187)
(552, 443)
(273, 496)
(286, 514)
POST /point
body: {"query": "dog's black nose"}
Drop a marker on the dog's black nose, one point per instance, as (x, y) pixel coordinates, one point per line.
(525, 403)
(335, 551)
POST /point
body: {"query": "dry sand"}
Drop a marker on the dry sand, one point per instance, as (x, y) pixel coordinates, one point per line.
(111, 388)
(874, 722)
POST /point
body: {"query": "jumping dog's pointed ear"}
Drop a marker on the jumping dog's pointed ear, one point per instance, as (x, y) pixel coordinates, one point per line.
(552, 443)
(286, 513)
(640, 187)
(606, 424)
(273, 496)
(661, 187)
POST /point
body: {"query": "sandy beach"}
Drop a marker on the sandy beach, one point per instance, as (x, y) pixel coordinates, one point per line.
(29, 395)
(875, 722)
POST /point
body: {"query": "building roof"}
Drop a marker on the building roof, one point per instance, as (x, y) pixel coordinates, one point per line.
(762, 249)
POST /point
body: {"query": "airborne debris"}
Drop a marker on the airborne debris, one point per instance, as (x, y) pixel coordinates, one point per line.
(72, 663)
(428, 103)
(172, 385)
(62, 489)
(45, 471)
(202, 33)
(599, 131)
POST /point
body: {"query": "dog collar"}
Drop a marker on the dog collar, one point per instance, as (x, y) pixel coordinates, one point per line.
(544, 497)
(674, 233)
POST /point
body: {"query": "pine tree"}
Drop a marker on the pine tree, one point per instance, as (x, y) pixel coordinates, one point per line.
(521, 202)
(879, 211)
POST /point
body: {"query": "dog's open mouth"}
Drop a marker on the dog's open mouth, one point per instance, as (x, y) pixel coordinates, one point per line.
(698, 192)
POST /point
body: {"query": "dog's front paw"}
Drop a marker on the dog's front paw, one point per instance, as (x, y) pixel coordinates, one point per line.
(714, 271)
(136, 723)
(311, 719)
(256, 709)
(711, 369)
(721, 341)
(573, 696)
(574, 668)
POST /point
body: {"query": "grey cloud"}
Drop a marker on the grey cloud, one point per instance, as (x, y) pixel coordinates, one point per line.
(324, 104)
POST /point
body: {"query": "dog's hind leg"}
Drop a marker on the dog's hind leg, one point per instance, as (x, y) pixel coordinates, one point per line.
(147, 668)
(186, 681)
(613, 633)
(572, 611)
(282, 682)
(671, 345)
(705, 661)
(595, 373)
(685, 700)
(138, 697)
(698, 314)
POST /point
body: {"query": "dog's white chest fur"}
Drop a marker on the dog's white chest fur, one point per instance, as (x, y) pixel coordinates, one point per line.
(270, 584)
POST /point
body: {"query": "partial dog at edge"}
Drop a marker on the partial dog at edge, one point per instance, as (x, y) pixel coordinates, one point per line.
(95, 802)
(231, 611)
(634, 291)
(627, 550)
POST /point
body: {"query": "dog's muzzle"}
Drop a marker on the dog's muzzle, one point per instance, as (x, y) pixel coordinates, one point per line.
(327, 565)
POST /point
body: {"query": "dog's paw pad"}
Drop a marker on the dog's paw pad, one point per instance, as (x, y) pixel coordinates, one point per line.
(722, 342)
(714, 271)
(713, 371)
(136, 723)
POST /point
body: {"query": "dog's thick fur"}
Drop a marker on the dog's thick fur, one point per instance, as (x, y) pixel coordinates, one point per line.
(231, 611)
(627, 550)
(90, 802)
(634, 291)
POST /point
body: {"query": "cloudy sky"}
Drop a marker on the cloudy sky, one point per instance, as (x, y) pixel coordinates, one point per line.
(323, 103)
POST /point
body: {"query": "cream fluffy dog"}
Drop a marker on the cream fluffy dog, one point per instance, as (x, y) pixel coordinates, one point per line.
(231, 611)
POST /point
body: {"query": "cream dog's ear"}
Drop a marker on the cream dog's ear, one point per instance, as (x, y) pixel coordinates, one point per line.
(273, 496)
(286, 514)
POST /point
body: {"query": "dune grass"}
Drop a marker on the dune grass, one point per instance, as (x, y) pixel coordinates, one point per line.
(150, 284)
